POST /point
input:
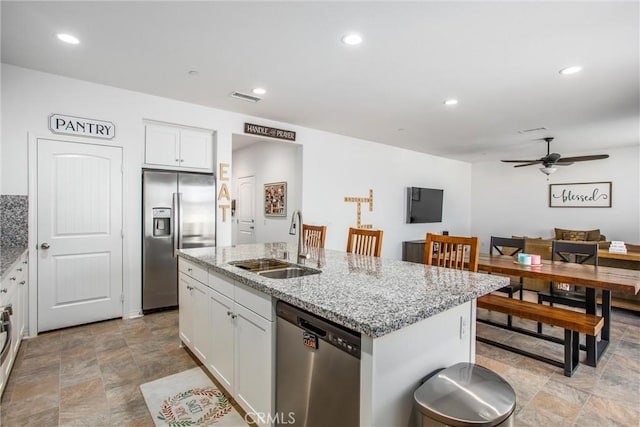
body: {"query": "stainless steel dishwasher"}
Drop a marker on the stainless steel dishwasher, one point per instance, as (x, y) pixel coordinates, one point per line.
(317, 370)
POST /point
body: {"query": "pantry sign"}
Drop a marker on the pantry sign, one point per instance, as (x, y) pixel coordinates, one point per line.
(79, 126)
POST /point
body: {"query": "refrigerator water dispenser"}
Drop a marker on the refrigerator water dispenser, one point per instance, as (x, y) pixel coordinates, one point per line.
(161, 222)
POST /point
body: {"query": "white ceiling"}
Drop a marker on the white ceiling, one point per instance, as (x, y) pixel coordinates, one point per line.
(500, 59)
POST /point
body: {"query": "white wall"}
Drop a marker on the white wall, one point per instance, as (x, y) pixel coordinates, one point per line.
(337, 166)
(515, 201)
(271, 162)
(334, 166)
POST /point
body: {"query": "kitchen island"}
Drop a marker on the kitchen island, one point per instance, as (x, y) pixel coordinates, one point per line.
(412, 318)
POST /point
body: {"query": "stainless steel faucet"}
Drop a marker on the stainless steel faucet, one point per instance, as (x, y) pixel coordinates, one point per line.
(302, 254)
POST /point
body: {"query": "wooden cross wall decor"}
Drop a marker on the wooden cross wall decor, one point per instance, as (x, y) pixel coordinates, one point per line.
(359, 201)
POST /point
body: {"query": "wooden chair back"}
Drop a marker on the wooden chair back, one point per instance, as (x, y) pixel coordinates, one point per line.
(364, 242)
(313, 235)
(452, 251)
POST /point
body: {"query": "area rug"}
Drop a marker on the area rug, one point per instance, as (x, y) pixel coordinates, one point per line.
(189, 398)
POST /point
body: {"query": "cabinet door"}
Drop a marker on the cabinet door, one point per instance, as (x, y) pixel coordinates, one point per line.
(201, 321)
(222, 336)
(196, 150)
(162, 146)
(185, 311)
(254, 363)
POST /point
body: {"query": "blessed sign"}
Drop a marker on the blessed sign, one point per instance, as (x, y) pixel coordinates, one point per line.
(580, 195)
(289, 135)
(78, 126)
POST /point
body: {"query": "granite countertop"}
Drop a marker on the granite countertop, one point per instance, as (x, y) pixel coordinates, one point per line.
(373, 296)
(8, 257)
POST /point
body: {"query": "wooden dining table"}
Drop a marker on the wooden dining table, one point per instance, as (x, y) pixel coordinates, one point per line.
(592, 278)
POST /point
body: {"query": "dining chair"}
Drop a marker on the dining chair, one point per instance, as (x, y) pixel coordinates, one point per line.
(452, 251)
(313, 236)
(364, 241)
(510, 247)
(575, 252)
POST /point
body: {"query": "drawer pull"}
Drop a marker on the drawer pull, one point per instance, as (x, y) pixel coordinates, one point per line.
(12, 278)
(22, 283)
(3, 291)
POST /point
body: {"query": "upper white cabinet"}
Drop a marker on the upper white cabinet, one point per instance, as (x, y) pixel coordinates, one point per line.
(178, 148)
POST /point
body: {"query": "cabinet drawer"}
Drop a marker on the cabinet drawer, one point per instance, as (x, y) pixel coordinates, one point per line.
(256, 301)
(193, 270)
(222, 285)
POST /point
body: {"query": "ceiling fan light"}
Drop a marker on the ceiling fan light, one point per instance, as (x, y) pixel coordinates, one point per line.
(548, 170)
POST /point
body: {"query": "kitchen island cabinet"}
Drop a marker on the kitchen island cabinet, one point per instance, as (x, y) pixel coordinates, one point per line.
(225, 324)
(413, 318)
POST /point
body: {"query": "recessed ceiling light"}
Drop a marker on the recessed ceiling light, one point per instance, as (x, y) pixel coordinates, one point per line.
(570, 70)
(67, 38)
(352, 39)
(451, 102)
(259, 91)
(194, 73)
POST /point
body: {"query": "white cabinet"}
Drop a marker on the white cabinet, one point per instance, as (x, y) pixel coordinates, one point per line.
(221, 362)
(14, 294)
(254, 362)
(194, 315)
(242, 356)
(230, 327)
(178, 148)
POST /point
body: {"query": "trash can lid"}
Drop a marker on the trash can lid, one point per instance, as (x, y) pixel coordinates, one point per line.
(466, 394)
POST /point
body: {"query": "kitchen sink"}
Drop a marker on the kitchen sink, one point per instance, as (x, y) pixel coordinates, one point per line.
(274, 268)
(289, 273)
(260, 264)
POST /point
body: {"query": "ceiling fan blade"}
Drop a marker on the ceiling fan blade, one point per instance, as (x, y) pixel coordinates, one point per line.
(536, 162)
(520, 161)
(583, 158)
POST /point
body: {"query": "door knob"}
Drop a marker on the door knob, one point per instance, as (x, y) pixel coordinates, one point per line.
(44, 246)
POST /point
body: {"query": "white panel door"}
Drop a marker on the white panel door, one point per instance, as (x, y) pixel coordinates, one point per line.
(246, 210)
(79, 233)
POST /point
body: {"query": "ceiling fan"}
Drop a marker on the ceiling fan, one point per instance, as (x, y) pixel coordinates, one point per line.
(551, 160)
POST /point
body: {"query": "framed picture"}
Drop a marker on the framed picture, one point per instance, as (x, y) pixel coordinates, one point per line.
(580, 195)
(275, 199)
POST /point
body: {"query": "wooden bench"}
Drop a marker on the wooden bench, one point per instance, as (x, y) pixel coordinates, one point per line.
(573, 322)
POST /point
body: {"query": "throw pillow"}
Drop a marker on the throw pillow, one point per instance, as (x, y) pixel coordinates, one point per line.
(574, 235)
(591, 235)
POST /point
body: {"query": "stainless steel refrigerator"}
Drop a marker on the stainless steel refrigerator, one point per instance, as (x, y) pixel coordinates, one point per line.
(178, 211)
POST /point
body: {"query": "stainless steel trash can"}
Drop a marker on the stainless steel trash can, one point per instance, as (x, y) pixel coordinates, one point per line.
(465, 394)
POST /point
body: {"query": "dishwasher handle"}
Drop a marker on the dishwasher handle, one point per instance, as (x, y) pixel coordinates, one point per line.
(305, 324)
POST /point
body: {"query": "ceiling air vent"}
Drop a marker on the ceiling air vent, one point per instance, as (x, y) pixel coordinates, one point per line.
(245, 97)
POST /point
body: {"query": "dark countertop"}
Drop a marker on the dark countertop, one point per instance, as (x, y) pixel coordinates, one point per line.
(373, 296)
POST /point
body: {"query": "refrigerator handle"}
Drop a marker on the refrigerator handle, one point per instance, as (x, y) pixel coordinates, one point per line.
(175, 224)
(180, 228)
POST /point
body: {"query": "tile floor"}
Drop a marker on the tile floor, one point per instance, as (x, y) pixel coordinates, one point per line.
(90, 375)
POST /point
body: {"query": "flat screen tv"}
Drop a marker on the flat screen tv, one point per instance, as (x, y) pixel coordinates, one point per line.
(424, 205)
